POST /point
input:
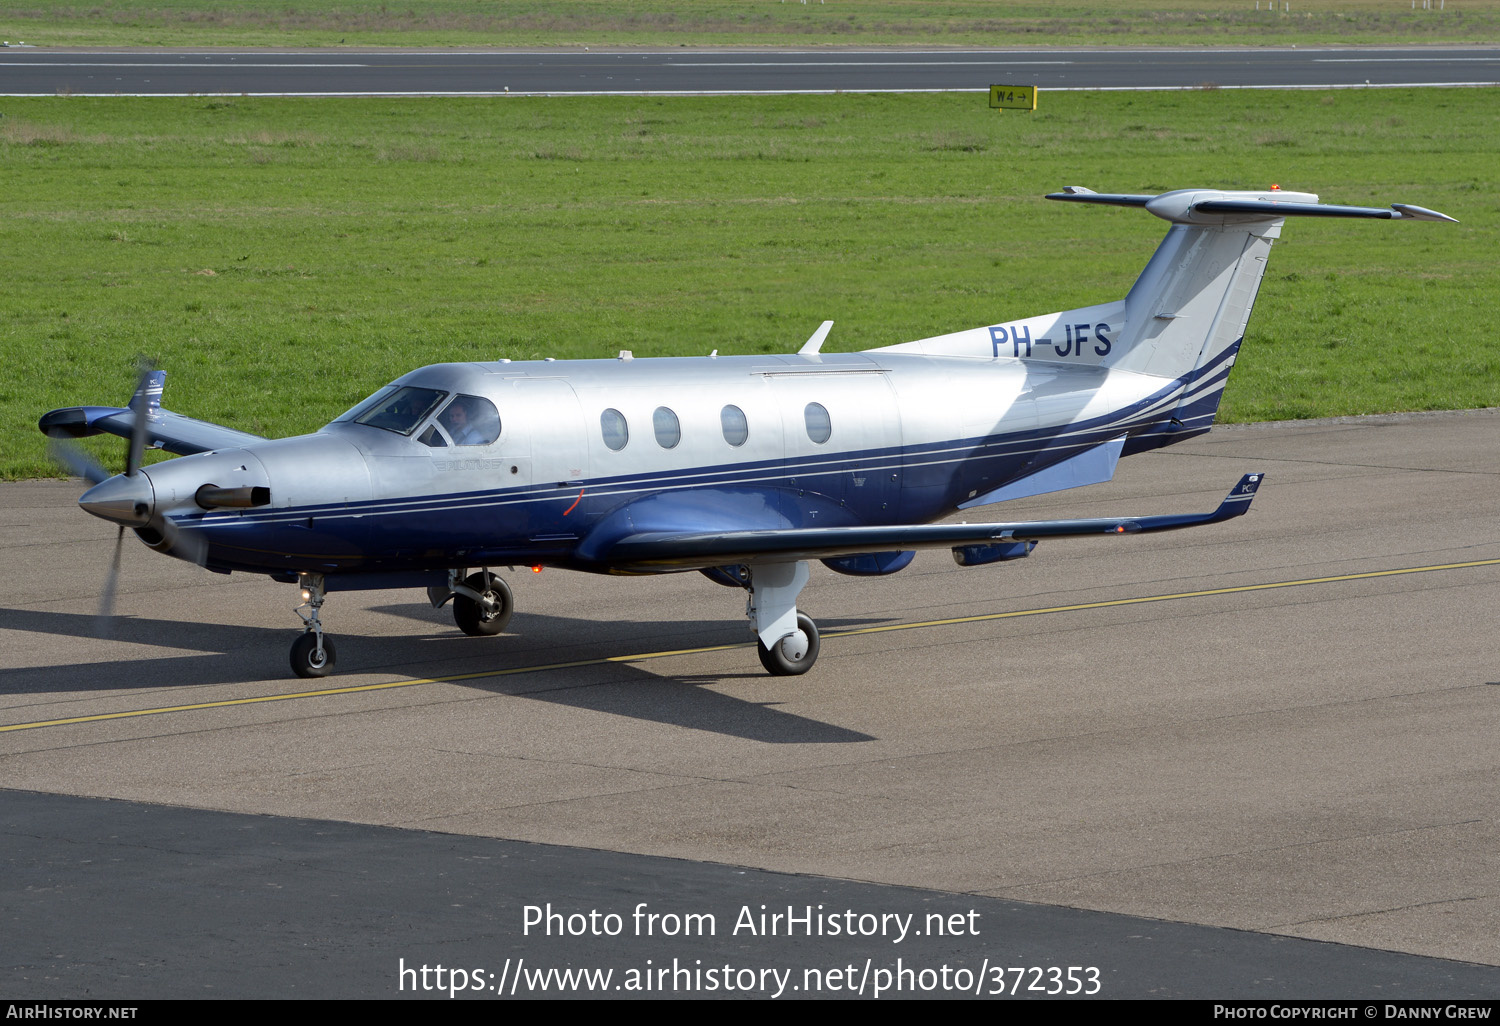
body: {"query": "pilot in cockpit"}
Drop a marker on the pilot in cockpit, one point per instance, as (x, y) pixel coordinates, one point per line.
(462, 424)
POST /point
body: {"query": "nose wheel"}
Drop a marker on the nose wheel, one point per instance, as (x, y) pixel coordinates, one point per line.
(312, 655)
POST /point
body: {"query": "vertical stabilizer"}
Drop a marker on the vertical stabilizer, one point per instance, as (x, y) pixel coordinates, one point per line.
(1185, 317)
(1186, 313)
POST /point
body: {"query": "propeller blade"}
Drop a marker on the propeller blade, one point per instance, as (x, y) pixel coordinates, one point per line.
(104, 621)
(76, 462)
(141, 405)
(186, 545)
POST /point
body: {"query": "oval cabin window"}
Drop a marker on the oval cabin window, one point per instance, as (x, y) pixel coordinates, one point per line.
(668, 431)
(736, 428)
(612, 425)
(819, 427)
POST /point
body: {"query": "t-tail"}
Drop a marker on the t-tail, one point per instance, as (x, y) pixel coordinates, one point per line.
(1185, 317)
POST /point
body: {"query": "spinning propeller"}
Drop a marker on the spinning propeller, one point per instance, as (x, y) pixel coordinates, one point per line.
(126, 499)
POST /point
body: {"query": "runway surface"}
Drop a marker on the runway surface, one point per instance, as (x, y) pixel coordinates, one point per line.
(142, 72)
(1284, 724)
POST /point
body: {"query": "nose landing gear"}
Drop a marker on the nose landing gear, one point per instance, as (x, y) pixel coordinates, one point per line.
(312, 653)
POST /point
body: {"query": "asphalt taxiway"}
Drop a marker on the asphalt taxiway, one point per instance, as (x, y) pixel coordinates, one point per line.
(1284, 724)
(385, 72)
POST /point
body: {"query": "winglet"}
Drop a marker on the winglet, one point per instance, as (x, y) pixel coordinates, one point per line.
(149, 392)
(1237, 502)
(815, 343)
(1421, 213)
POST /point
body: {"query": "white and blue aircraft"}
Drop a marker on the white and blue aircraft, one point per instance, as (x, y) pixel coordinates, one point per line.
(742, 467)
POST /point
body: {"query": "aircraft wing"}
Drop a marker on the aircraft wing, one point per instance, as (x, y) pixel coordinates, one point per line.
(662, 549)
(173, 432)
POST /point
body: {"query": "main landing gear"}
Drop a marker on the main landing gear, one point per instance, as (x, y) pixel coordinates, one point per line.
(794, 654)
(788, 641)
(482, 603)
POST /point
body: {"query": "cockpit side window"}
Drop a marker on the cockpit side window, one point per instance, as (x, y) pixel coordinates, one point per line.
(399, 411)
(471, 420)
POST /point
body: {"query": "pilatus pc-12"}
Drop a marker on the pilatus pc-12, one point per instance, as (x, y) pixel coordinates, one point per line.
(742, 467)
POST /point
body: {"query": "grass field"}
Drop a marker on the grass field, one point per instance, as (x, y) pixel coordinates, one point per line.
(656, 23)
(282, 258)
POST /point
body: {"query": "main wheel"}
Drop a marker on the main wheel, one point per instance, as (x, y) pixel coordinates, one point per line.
(305, 659)
(490, 614)
(779, 664)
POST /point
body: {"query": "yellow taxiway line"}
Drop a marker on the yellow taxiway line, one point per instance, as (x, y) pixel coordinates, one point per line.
(643, 656)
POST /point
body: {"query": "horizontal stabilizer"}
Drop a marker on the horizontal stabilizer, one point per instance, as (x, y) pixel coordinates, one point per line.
(1214, 206)
(1396, 211)
(1078, 194)
(662, 549)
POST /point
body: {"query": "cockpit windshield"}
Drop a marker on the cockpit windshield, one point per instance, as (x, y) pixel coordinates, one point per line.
(396, 409)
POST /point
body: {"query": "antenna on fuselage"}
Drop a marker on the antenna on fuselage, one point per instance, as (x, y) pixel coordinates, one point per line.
(815, 343)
